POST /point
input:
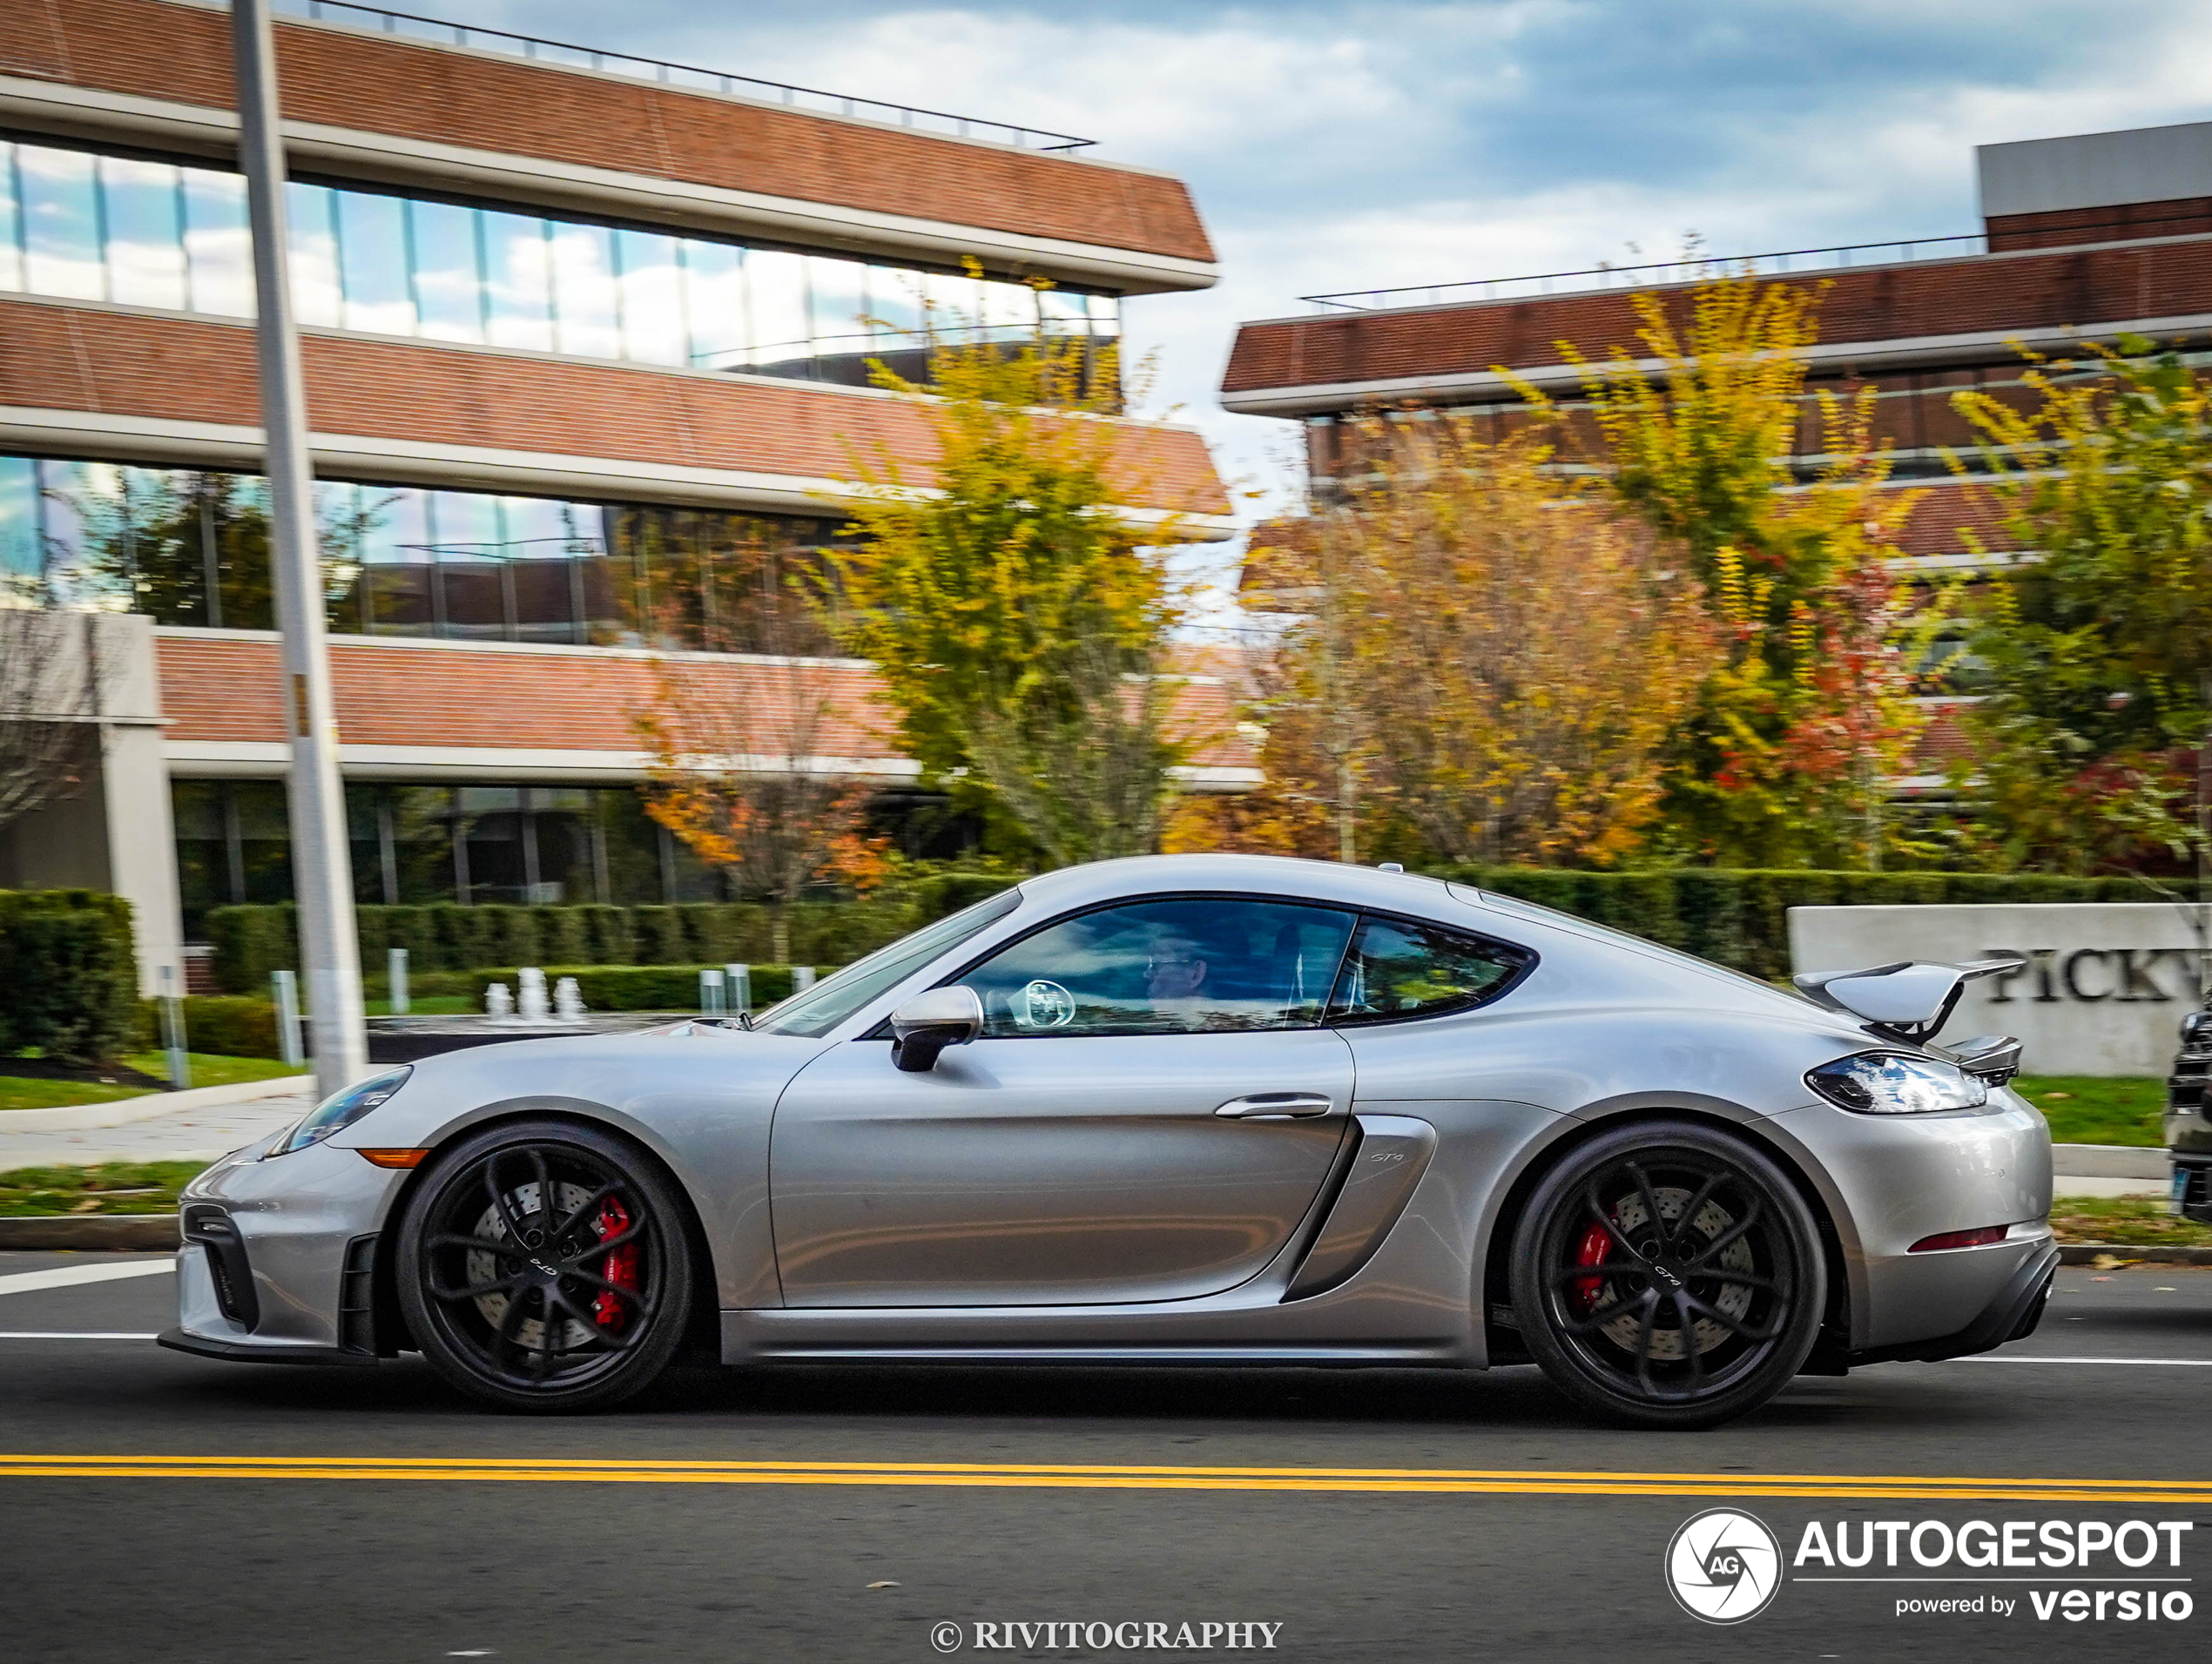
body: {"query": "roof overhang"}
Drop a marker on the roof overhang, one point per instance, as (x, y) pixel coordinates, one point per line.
(384, 158)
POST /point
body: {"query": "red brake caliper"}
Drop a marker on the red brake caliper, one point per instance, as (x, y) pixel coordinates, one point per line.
(619, 1266)
(1591, 1251)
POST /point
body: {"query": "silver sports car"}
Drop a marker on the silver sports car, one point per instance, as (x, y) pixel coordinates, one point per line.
(1183, 1109)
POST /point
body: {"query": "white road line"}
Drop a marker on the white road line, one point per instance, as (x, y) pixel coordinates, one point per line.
(64, 1276)
(2014, 1358)
(70, 1334)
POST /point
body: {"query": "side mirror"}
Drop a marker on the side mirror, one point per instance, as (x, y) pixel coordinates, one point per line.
(929, 1022)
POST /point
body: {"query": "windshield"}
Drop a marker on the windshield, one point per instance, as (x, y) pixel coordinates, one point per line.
(813, 1012)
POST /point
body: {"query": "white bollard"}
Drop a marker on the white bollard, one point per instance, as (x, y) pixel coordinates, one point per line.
(172, 1030)
(802, 977)
(287, 1005)
(498, 1001)
(568, 999)
(738, 979)
(531, 1004)
(710, 993)
(395, 979)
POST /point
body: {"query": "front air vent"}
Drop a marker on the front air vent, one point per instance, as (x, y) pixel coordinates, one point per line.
(216, 1232)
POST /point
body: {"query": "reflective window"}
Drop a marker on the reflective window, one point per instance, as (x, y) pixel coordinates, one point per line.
(1398, 968)
(586, 314)
(715, 304)
(518, 281)
(373, 264)
(61, 223)
(651, 280)
(449, 276)
(218, 254)
(310, 213)
(174, 235)
(146, 247)
(782, 339)
(1196, 966)
(10, 222)
(20, 562)
(414, 844)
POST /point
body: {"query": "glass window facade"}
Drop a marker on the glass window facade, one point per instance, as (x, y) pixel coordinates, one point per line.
(413, 845)
(191, 548)
(157, 233)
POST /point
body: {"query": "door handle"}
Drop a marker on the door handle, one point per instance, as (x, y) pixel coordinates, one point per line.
(1288, 1105)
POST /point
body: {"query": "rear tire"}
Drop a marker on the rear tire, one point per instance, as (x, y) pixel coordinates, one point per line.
(1668, 1275)
(543, 1268)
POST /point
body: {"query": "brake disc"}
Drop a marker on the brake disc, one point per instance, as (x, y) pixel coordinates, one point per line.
(1734, 1299)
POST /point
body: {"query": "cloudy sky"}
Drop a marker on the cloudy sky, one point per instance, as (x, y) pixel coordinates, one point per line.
(1356, 146)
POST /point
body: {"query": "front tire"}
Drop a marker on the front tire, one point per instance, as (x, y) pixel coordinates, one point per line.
(542, 1267)
(1668, 1275)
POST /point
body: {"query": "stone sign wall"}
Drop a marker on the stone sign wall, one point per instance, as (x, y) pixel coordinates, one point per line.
(2103, 992)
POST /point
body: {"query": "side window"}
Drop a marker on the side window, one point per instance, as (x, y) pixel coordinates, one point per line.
(1189, 966)
(1398, 968)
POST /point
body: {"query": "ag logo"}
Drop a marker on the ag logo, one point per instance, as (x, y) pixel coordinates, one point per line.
(1044, 1005)
(1724, 1566)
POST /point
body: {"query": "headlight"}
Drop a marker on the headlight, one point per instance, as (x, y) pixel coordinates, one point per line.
(340, 1109)
(1890, 1083)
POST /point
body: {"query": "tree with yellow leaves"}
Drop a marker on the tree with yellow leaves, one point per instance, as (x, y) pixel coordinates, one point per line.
(1015, 615)
(1785, 759)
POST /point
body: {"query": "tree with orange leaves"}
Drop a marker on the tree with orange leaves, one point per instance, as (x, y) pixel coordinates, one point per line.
(736, 746)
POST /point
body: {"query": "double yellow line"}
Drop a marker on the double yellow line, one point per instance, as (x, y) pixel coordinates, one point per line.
(1068, 1476)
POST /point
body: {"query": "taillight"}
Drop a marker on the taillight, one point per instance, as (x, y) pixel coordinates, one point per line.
(1980, 1238)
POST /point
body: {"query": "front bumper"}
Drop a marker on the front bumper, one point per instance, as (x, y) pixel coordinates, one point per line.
(280, 1257)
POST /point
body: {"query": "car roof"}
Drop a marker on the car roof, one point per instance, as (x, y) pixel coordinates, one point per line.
(1282, 875)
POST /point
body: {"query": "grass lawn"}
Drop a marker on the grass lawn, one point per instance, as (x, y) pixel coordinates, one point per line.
(2123, 1219)
(2097, 1109)
(27, 1092)
(427, 1005)
(119, 1187)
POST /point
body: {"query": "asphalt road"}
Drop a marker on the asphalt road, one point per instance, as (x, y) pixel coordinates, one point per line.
(843, 1564)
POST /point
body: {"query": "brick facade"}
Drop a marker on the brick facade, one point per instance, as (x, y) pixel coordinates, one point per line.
(224, 688)
(484, 101)
(1997, 295)
(55, 355)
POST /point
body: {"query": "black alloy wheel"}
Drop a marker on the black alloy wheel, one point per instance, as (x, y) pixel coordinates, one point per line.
(1668, 1275)
(542, 1267)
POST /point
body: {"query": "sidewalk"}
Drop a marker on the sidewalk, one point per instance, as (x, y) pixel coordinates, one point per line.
(192, 1133)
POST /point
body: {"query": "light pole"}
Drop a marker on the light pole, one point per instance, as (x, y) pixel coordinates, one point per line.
(321, 864)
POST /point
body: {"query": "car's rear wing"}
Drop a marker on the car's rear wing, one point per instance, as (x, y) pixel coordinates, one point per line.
(1909, 1001)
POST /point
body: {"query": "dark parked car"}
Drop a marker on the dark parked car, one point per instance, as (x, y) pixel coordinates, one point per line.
(2189, 1117)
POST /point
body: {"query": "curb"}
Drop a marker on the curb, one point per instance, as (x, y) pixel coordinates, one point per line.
(2108, 1161)
(110, 1231)
(123, 1111)
(2089, 1254)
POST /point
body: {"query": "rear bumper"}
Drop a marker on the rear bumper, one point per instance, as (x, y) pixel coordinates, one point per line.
(2012, 1315)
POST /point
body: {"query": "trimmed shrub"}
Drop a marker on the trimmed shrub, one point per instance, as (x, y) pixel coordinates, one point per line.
(69, 977)
(250, 943)
(1736, 918)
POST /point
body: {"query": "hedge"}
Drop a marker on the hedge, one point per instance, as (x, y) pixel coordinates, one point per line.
(1737, 918)
(1740, 917)
(228, 1025)
(69, 978)
(251, 941)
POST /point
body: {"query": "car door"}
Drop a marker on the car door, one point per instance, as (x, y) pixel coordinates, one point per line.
(1151, 1109)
